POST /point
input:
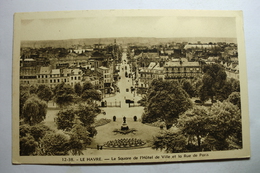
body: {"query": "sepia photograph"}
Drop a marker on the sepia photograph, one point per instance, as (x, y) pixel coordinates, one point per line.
(129, 86)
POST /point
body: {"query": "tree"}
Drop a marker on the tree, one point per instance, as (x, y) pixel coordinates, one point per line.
(27, 145)
(24, 95)
(30, 138)
(225, 126)
(87, 86)
(234, 98)
(194, 123)
(170, 141)
(34, 110)
(78, 89)
(223, 92)
(65, 118)
(91, 95)
(187, 86)
(165, 101)
(33, 89)
(44, 93)
(213, 79)
(55, 144)
(87, 114)
(79, 139)
(64, 95)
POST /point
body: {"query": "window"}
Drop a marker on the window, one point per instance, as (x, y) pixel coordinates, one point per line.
(71, 78)
(54, 81)
(75, 78)
(79, 78)
(58, 80)
(64, 80)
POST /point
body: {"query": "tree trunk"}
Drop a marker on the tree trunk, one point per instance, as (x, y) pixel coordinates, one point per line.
(198, 138)
(212, 99)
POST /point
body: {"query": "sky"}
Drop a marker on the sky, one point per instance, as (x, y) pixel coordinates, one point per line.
(127, 26)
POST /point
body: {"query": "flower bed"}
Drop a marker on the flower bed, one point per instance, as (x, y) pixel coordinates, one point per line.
(124, 143)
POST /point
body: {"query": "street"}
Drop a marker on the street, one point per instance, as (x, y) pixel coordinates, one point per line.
(124, 83)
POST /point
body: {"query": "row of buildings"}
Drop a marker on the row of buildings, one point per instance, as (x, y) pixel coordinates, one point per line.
(170, 62)
(178, 69)
(97, 66)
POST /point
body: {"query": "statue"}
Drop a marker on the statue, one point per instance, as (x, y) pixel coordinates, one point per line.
(124, 119)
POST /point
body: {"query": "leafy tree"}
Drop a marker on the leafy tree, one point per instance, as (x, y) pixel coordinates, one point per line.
(225, 126)
(44, 93)
(87, 114)
(39, 130)
(223, 92)
(170, 141)
(64, 95)
(27, 142)
(87, 86)
(55, 144)
(30, 137)
(194, 123)
(66, 118)
(165, 101)
(78, 89)
(79, 139)
(27, 145)
(188, 87)
(34, 110)
(213, 79)
(234, 98)
(91, 95)
(24, 95)
(33, 89)
(235, 85)
(143, 101)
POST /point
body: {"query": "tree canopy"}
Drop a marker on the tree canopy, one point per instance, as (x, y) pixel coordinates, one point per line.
(34, 110)
(65, 118)
(91, 95)
(44, 93)
(193, 123)
(78, 89)
(79, 139)
(30, 137)
(170, 141)
(55, 144)
(213, 79)
(200, 128)
(64, 95)
(166, 100)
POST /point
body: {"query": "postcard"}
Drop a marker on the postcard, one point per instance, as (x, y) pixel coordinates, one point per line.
(129, 86)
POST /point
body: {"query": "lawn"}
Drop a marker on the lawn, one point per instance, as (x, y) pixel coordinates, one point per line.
(105, 133)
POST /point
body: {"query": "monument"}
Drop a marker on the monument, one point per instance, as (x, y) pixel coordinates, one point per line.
(124, 125)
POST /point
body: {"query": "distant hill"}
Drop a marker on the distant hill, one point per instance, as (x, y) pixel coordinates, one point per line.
(122, 40)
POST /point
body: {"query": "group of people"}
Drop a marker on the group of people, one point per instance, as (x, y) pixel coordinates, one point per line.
(124, 142)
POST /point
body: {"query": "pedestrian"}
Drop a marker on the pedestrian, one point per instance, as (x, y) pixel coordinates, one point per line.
(97, 147)
(100, 147)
